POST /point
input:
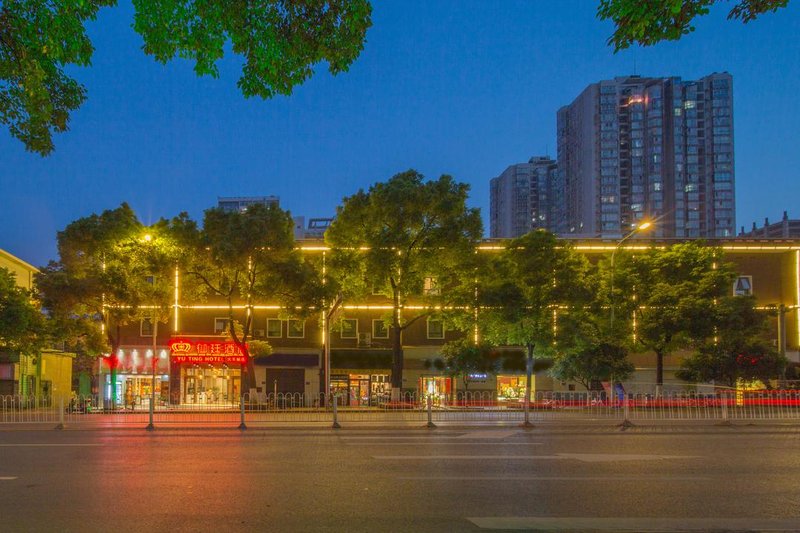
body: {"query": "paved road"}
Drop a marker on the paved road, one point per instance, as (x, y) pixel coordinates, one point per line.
(358, 479)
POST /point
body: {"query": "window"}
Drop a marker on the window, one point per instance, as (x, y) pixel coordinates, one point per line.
(295, 329)
(274, 328)
(435, 329)
(379, 329)
(150, 280)
(220, 325)
(743, 286)
(349, 328)
(431, 287)
(146, 328)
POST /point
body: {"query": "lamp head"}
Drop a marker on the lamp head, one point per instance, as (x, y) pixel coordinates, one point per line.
(644, 225)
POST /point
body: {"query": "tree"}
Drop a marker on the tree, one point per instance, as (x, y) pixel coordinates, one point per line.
(280, 41)
(109, 275)
(244, 258)
(591, 363)
(653, 21)
(672, 292)
(739, 350)
(463, 357)
(22, 325)
(534, 294)
(400, 236)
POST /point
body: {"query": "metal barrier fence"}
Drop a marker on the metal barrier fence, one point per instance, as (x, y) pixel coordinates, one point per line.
(465, 407)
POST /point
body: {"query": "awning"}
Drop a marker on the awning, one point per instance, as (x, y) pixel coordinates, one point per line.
(304, 360)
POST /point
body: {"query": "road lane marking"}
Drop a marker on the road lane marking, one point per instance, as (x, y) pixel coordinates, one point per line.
(8, 478)
(586, 458)
(440, 443)
(535, 523)
(45, 445)
(489, 434)
(553, 478)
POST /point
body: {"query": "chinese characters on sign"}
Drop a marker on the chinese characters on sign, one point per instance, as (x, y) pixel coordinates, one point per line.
(189, 351)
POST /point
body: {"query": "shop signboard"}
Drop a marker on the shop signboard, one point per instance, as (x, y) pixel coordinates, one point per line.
(205, 351)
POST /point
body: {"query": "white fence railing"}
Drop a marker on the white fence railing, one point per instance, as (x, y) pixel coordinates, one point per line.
(722, 405)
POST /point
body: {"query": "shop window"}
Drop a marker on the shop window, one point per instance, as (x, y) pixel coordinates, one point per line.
(349, 328)
(379, 329)
(295, 329)
(274, 328)
(435, 329)
(146, 328)
(743, 286)
(220, 325)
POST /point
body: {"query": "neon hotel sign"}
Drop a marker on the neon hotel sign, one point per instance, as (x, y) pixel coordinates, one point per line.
(190, 351)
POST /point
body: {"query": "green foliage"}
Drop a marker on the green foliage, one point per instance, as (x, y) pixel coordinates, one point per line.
(392, 237)
(38, 39)
(593, 362)
(672, 292)
(22, 325)
(247, 257)
(535, 294)
(462, 358)
(740, 351)
(280, 40)
(649, 22)
(108, 272)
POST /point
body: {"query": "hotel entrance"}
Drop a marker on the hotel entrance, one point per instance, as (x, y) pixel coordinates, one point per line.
(210, 385)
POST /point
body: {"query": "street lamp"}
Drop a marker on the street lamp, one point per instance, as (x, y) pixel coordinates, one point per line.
(640, 227)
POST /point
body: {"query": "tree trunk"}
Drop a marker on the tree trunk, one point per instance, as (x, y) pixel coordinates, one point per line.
(397, 349)
(659, 372)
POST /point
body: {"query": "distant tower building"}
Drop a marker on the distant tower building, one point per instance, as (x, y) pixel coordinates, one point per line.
(241, 203)
(523, 198)
(636, 148)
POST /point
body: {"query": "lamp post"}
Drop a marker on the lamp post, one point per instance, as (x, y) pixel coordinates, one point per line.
(640, 227)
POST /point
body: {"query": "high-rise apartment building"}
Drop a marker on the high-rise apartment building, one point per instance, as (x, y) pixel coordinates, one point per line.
(636, 148)
(523, 198)
(241, 203)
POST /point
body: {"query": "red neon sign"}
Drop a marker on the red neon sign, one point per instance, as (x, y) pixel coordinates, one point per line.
(190, 351)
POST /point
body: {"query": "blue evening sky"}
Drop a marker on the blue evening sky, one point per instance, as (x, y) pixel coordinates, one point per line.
(461, 87)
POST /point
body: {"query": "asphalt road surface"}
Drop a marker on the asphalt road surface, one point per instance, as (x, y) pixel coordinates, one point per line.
(404, 479)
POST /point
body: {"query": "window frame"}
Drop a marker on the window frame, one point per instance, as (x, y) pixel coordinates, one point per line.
(280, 328)
(341, 329)
(302, 329)
(428, 329)
(386, 329)
(221, 331)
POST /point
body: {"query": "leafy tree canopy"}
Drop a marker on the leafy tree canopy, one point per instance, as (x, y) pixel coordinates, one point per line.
(22, 325)
(462, 358)
(400, 235)
(534, 293)
(247, 256)
(592, 363)
(739, 350)
(651, 21)
(672, 291)
(280, 41)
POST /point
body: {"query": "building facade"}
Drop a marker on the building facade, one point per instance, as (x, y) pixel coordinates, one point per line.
(524, 198)
(196, 364)
(785, 229)
(47, 373)
(636, 148)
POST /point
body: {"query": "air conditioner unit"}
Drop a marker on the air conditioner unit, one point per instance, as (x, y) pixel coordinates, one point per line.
(364, 340)
(259, 333)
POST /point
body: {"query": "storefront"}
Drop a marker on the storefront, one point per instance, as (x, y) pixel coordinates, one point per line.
(205, 371)
(133, 376)
(511, 388)
(359, 389)
(439, 388)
